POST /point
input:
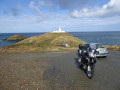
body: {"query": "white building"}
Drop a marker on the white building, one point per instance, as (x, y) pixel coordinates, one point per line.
(58, 31)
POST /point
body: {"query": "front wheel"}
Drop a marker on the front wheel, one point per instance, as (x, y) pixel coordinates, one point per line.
(80, 63)
(90, 71)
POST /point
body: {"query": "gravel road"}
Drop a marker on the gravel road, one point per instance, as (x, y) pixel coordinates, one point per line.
(57, 71)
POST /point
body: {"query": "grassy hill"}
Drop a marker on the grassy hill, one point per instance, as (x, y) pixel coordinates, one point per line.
(52, 39)
(46, 42)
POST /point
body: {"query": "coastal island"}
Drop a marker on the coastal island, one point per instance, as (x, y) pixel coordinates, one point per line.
(15, 38)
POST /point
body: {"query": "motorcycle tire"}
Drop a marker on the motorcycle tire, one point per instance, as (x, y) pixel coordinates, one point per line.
(80, 63)
(90, 71)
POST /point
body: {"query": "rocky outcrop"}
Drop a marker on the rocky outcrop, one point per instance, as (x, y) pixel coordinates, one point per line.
(15, 38)
(114, 47)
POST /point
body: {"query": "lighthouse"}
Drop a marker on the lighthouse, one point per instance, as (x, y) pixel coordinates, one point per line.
(58, 31)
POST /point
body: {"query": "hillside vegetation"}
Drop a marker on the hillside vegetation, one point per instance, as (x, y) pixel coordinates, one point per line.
(15, 38)
(49, 42)
(114, 47)
(45, 43)
(52, 39)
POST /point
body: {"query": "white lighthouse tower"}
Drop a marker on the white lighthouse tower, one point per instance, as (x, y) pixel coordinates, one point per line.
(58, 31)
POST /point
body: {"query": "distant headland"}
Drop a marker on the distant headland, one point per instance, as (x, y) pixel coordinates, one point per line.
(57, 41)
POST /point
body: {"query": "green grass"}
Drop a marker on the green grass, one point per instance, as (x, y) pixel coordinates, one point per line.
(57, 39)
(47, 42)
(15, 38)
(44, 44)
(23, 44)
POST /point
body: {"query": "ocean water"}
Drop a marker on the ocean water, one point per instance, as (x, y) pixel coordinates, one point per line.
(106, 38)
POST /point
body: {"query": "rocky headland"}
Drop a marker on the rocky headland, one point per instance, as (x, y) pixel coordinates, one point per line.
(15, 38)
(46, 42)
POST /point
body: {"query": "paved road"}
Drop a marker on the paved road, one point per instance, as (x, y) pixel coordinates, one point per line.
(66, 75)
(62, 73)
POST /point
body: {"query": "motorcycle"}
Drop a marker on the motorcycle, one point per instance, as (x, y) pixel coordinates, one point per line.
(87, 59)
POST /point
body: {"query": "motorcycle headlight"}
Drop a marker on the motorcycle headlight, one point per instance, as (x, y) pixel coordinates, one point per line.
(91, 55)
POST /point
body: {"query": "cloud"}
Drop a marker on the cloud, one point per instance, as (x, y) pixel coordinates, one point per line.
(72, 4)
(112, 8)
(28, 23)
(48, 4)
(44, 9)
(64, 4)
(15, 11)
(39, 15)
(34, 8)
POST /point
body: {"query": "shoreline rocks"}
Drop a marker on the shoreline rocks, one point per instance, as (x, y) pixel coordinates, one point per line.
(114, 47)
(2, 49)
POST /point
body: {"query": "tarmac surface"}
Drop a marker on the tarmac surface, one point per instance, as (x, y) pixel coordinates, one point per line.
(60, 72)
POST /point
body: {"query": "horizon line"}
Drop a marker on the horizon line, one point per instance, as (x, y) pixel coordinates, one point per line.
(68, 32)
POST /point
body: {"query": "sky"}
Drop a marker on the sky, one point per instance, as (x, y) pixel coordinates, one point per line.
(21, 16)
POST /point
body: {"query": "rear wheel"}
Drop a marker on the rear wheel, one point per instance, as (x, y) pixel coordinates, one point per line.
(90, 71)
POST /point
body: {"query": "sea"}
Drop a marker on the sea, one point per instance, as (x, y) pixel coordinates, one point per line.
(105, 38)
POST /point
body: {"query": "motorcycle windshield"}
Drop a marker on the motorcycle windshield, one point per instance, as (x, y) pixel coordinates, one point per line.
(93, 46)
